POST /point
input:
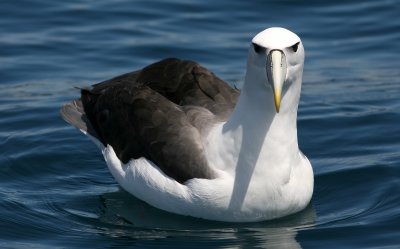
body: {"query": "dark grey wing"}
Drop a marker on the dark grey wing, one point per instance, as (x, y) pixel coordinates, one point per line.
(139, 122)
(160, 113)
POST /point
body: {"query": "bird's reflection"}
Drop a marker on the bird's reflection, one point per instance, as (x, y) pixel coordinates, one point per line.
(131, 215)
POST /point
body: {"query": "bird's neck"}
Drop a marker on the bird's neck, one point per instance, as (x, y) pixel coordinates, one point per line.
(263, 133)
(256, 136)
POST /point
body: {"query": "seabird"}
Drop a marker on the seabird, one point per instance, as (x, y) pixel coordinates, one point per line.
(181, 139)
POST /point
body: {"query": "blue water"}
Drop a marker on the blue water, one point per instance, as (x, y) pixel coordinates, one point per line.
(55, 189)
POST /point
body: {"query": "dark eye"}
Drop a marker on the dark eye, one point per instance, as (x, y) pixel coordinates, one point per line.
(257, 48)
(295, 47)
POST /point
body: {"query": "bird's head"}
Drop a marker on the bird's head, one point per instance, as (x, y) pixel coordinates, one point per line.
(277, 55)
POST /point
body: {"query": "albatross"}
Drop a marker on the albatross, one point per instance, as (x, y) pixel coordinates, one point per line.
(176, 136)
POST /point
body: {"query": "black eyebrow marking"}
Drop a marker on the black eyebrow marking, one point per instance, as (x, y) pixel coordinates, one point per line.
(257, 48)
(295, 46)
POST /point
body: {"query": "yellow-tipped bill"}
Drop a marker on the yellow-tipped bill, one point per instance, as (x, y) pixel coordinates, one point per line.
(276, 72)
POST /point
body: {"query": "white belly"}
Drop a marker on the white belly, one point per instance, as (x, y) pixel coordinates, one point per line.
(214, 199)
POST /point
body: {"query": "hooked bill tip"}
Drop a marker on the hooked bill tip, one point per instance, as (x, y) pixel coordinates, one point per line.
(277, 102)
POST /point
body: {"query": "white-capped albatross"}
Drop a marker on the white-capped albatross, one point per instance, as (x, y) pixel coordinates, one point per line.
(179, 138)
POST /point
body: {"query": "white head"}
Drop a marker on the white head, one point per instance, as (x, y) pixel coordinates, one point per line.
(276, 59)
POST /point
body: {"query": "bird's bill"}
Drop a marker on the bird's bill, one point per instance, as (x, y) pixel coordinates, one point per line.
(276, 71)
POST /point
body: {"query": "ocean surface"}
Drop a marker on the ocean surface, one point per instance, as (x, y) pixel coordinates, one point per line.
(55, 189)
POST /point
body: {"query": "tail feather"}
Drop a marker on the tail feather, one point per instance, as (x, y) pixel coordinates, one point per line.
(74, 114)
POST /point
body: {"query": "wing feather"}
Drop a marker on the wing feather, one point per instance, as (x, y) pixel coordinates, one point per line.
(160, 112)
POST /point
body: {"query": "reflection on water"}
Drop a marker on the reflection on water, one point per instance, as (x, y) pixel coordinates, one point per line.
(122, 209)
